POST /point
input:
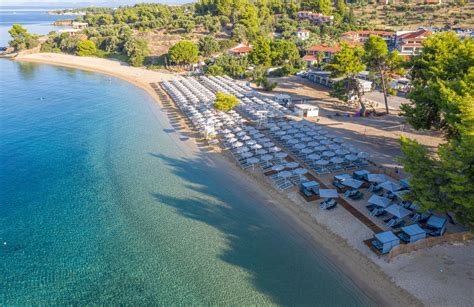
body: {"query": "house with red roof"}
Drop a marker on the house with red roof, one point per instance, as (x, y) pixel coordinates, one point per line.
(240, 49)
(409, 43)
(363, 35)
(323, 52)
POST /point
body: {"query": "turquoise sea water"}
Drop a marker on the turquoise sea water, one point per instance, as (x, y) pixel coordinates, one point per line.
(100, 204)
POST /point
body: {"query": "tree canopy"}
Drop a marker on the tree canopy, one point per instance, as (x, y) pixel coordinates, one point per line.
(86, 48)
(442, 98)
(225, 102)
(21, 39)
(184, 52)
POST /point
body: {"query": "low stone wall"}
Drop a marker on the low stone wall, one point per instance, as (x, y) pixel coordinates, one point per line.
(429, 242)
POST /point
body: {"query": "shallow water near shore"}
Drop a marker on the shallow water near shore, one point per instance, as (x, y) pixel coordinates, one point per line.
(101, 202)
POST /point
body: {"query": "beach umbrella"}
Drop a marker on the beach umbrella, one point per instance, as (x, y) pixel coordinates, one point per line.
(338, 140)
(326, 142)
(245, 138)
(363, 155)
(268, 144)
(286, 137)
(378, 178)
(253, 160)
(319, 148)
(306, 151)
(334, 147)
(321, 162)
(351, 157)
(251, 142)
(293, 122)
(258, 135)
(280, 133)
(292, 165)
(397, 211)
(266, 158)
(293, 142)
(313, 144)
(261, 152)
(232, 140)
(300, 135)
(300, 146)
(237, 144)
(237, 129)
(264, 140)
(275, 149)
(390, 186)
(255, 146)
(241, 133)
(284, 174)
(328, 153)
(300, 171)
(352, 183)
(274, 128)
(337, 160)
(306, 139)
(278, 167)
(346, 145)
(341, 152)
(328, 193)
(281, 155)
(379, 201)
(311, 133)
(247, 154)
(314, 157)
(243, 149)
(229, 135)
(354, 150)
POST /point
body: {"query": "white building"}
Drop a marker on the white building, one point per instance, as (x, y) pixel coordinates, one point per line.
(303, 34)
(306, 110)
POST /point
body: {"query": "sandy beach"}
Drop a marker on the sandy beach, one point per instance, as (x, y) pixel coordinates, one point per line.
(438, 276)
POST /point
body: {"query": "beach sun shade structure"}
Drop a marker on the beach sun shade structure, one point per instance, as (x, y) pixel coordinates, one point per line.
(237, 144)
(314, 157)
(281, 155)
(306, 151)
(300, 146)
(351, 157)
(247, 154)
(341, 152)
(363, 155)
(292, 165)
(268, 144)
(412, 233)
(253, 161)
(300, 171)
(261, 152)
(397, 211)
(390, 186)
(266, 158)
(275, 149)
(278, 168)
(328, 153)
(379, 201)
(352, 183)
(385, 241)
(377, 178)
(285, 174)
(337, 160)
(328, 193)
(322, 162)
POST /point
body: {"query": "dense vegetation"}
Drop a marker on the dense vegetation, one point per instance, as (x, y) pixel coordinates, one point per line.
(225, 102)
(21, 39)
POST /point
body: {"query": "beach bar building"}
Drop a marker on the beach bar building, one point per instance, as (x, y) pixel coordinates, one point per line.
(436, 225)
(384, 242)
(306, 110)
(412, 233)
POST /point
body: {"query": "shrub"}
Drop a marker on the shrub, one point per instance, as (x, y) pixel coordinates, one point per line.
(86, 48)
(225, 102)
(215, 70)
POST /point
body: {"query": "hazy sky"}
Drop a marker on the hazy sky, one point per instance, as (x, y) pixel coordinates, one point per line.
(61, 3)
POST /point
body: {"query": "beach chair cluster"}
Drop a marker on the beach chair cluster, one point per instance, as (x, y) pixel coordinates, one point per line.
(317, 147)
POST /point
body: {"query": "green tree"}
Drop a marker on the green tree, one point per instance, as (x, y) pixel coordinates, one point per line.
(86, 48)
(284, 51)
(261, 53)
(347, 64)
(266, 84)
(208, 45)
(439, 74)
(442, 98)
(225, 102)
(215, 70)
(21, 39)
(184, 52)
(136, 50)
(381, 63)
(320, 6)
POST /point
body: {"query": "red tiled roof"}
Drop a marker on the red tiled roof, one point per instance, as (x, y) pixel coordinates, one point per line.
(309, 57)
(325, 48)
(242, 49)
(410, 45)
(304, 30)
(416, 34)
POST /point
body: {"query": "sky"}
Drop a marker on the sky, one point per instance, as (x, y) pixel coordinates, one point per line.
(82, 3)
